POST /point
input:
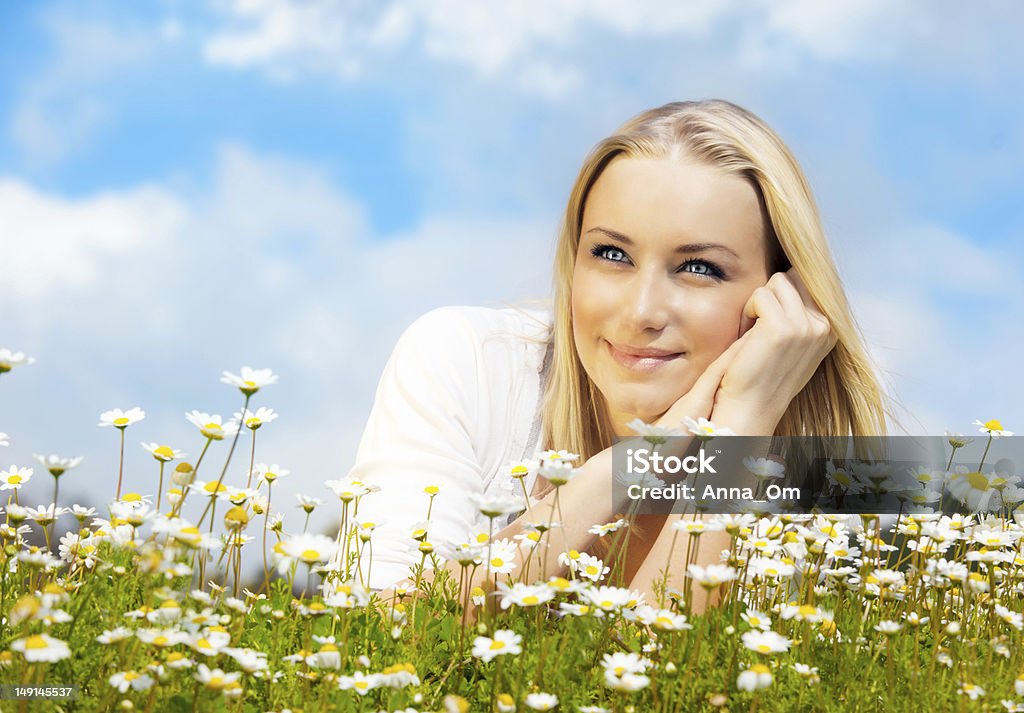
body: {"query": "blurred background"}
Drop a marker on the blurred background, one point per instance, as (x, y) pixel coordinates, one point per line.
(186, 188)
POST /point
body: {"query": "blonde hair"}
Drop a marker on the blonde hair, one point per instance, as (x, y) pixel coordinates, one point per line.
(843, 397)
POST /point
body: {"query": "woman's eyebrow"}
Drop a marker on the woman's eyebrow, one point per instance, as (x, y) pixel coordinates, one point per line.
(685, 249)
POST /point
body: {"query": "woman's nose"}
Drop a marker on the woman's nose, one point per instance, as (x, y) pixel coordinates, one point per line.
(648, 302)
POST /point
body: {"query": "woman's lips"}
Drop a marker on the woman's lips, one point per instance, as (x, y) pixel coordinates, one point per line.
(639, 363)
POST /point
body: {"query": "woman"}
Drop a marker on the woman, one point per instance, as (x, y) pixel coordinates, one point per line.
(692, 279)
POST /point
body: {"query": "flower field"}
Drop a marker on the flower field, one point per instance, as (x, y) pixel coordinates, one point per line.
(145, 607)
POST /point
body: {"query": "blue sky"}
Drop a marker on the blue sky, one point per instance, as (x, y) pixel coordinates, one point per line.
(189, 187)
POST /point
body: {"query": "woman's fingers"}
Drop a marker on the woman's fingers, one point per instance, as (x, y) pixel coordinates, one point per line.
(762, 304)
(702, 395)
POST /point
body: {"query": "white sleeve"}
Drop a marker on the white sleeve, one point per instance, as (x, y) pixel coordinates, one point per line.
(420, 433)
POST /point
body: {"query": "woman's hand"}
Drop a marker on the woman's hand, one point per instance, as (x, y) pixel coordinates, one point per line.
(783, 339)
(699, 401)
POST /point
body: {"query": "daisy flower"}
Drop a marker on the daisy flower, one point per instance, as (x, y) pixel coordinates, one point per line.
(842, 478)
(591, 567)
(46, 515)
(754, 678)
(756, 620)
(14, 477)
(310, 548)
(497, 504)
(651, 433)
(211, 488)
(121, 419)
(764, 467)
(57, 465)
(210, 643)
(976, 490)
(251, 380)
(359, 682)
(308, 503)
(211, 426)
(521, 468)
(558, 472)
(542, 701)
(269, 473)
(347, 489)
(164, 454)
(808, 672)
(9, 360)
(712, 575)
(215, 678)
(888, 627)
(524, 595)
(112, 636)
(254, 419)
(41, 647)
(958, 440)
(162, 637)
(971, 691)
(123, 680)
(502, 557)
(608, 598)
(765, 642)
(993, 428)
(547, 456)
(704, 430)
(627, 682)
(608, 528)
(504, 642)
(619, 663)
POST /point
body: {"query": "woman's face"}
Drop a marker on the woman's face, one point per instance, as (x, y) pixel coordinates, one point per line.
(670, 251)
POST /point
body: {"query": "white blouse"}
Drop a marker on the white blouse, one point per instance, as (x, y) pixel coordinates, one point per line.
(458, 401)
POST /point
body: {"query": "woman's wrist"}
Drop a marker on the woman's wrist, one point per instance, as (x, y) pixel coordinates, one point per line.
(745, 420)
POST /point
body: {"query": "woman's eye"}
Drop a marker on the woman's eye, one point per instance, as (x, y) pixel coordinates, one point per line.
(702, 268)
(608, 252)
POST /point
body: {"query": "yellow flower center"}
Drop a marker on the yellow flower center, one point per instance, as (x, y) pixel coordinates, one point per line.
(764, 648)
(993, 425)
(361, 685)
(760, 668)
(36, 642)
(497, 645)
(529, 600)
(310, 555)
(131, 675)
(164, 452)
(14, 479)
(161, 640)
(977, 481)
(123, 421)
(497, 562)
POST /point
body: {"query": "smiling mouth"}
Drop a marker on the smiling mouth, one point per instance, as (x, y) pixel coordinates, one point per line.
(640, 363)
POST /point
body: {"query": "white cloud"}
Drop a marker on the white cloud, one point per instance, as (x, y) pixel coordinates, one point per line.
(60, 109)
(145, 295)
(528, 45)
(52, 245)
